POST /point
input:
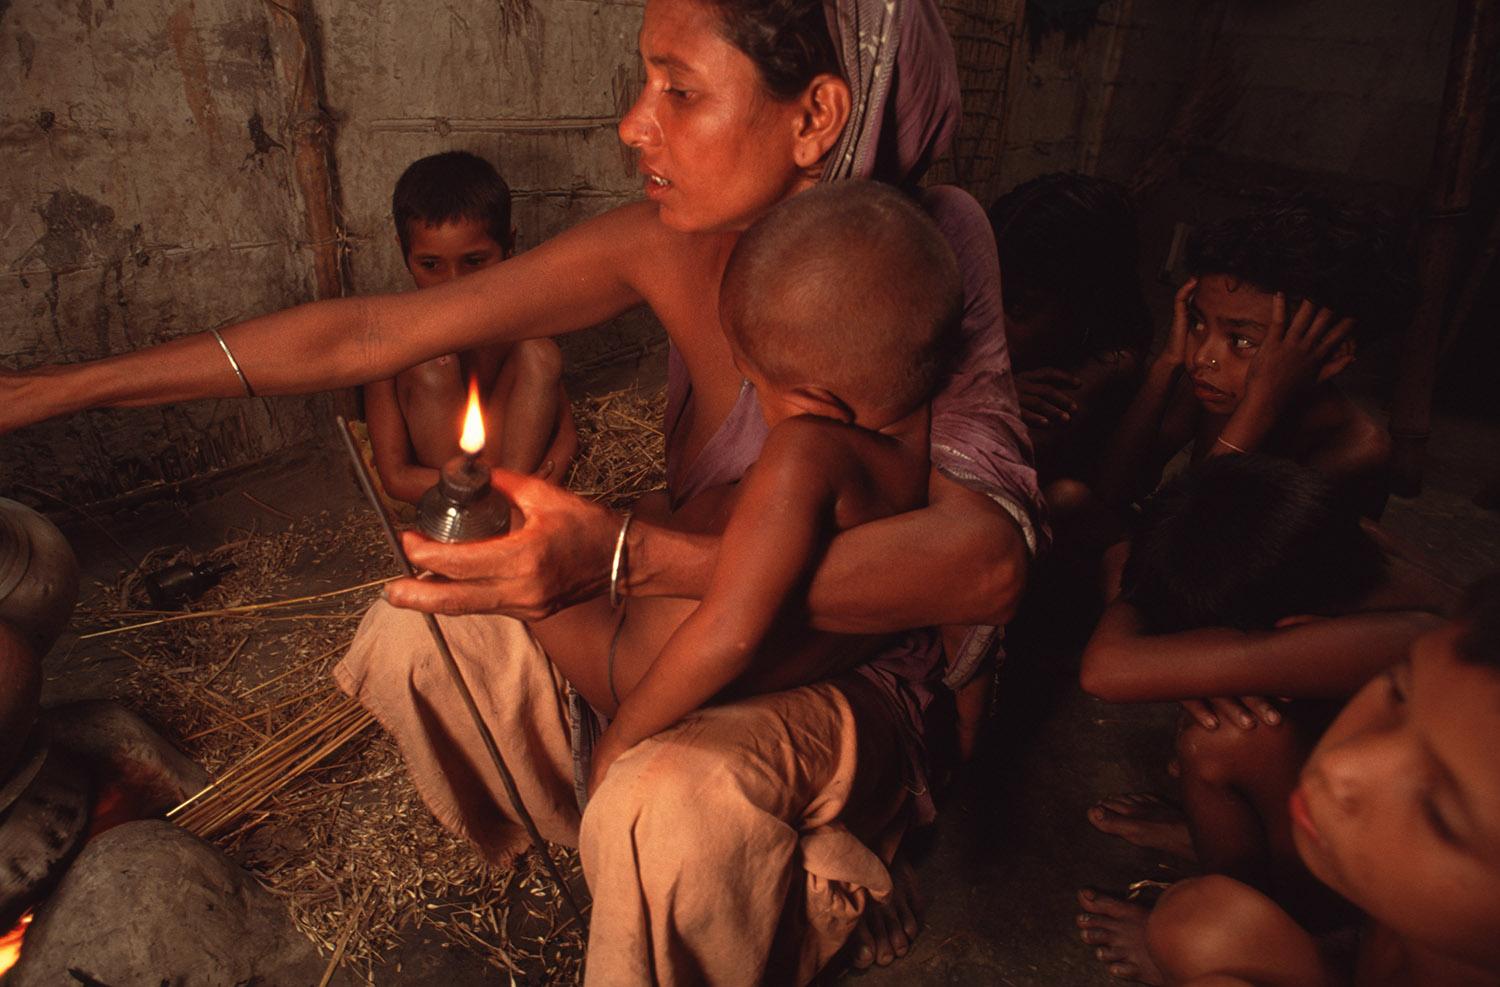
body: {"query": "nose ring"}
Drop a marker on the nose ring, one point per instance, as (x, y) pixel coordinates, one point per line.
(1213, 364)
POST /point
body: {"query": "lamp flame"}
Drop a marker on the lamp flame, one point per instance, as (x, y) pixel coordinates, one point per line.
(472, 439)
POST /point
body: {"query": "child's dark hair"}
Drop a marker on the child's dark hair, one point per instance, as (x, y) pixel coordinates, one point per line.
(1242, 541)
(1480, 615)
(1073, 239)
(1353, 260)
(454, 185)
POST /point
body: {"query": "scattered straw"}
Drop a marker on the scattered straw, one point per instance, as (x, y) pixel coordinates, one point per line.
(622, 448)
(308, 793)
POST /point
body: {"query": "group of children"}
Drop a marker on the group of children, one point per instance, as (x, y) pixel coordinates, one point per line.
(1333, 720)
(1329, 813)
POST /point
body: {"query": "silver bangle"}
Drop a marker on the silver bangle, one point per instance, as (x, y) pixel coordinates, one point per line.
(234, 364)
(617, 567)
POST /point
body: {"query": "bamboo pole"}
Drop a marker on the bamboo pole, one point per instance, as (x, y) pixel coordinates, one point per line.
(1450, 190)
(295, 43)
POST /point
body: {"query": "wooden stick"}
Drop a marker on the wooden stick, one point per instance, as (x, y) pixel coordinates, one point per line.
(300, 665)
(248, 789)
(264, 506)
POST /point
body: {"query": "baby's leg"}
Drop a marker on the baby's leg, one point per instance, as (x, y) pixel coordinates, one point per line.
(972, 699)
(564, 446)
(530, 398)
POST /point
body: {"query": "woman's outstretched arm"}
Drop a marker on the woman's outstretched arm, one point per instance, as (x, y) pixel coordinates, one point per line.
(580, 277)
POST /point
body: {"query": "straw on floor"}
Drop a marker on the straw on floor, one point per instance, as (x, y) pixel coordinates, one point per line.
(308, 793)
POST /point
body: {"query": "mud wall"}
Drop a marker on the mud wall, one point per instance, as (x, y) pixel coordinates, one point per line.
(1346, 88)
(144, 193)
(148, 187)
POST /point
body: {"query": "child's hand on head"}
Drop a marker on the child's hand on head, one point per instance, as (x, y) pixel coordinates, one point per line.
(1299, 353)
(1174, 354)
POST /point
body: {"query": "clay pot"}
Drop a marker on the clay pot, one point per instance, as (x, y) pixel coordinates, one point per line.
(41, 830)
(38, 575)
(20, 692)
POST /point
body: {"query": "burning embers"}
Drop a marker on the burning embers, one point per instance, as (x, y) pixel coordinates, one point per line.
(42, 827)
(10, 944)
(84, 769)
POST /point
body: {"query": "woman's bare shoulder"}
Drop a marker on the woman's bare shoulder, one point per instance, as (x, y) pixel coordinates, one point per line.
(637, 227)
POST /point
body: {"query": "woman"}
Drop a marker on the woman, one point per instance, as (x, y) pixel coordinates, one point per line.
(745, 104)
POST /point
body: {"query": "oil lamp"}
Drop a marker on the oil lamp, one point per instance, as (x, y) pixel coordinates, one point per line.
(462, 506)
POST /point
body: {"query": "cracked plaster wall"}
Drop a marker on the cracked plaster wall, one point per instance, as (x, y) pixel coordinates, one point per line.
(144, 194)
(146, 188)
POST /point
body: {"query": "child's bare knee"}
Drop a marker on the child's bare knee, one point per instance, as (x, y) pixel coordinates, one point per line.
(539, 361)
(1183, 932)
(1229, 752)
(1211, 756)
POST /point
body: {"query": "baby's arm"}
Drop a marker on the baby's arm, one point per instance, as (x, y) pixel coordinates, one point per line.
(402, 476)
(779, 529)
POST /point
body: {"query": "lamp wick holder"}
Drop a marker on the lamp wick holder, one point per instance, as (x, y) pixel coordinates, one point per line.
(462, 505)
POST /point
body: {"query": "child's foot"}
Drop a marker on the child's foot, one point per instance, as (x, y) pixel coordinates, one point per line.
(888, 928)
(1117, 931)
(1145, 820)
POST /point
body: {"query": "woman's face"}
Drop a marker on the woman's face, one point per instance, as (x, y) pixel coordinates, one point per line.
(716, 150)
(1399, 806)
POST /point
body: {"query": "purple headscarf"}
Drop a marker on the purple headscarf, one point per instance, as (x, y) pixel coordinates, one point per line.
(886, 47)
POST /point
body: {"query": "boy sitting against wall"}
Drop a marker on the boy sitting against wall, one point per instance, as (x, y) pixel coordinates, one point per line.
(452, 216)
(1273, 311)
(1247, 578)
(1397, 811)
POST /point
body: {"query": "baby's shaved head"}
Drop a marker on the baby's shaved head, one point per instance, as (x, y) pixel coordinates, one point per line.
(847, 286)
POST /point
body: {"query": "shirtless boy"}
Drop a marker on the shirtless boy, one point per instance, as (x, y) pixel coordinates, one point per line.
(1246, 578)
(1271, 314)
(452, 215)
(839, 307)
(1398, 811)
